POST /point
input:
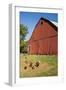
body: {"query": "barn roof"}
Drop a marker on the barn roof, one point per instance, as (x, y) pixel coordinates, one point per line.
(50, 23)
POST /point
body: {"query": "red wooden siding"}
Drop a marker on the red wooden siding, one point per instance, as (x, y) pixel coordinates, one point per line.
(44, 39)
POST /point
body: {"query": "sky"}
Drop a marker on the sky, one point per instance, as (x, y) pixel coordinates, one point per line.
(30, 19)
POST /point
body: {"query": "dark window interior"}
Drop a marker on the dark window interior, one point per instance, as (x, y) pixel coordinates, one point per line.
(41, 22)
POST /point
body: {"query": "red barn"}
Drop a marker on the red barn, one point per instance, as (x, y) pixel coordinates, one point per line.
(44, 39)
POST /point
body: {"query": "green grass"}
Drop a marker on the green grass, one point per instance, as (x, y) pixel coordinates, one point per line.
(49, 68)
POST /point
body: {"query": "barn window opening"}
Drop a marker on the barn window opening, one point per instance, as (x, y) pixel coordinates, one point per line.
(29, 46)
(41, 22)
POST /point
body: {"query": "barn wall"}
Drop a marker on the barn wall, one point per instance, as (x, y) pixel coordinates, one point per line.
(43, 40)
(33, 48)
(43, 31)
(45, 46)
(54, 45)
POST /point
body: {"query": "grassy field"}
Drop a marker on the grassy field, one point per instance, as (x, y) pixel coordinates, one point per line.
(48, 65)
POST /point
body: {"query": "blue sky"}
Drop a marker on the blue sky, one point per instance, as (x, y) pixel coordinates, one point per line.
(30, 19)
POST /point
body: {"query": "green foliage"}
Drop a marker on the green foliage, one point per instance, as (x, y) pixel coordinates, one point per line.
(23, 46)
(23, 43)
(23, 31)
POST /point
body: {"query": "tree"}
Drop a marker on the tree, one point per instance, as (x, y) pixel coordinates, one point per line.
(23, 46)
(23, 31)
(23, 43)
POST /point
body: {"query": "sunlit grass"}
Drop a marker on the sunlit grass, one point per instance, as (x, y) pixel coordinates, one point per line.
(48, 65)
